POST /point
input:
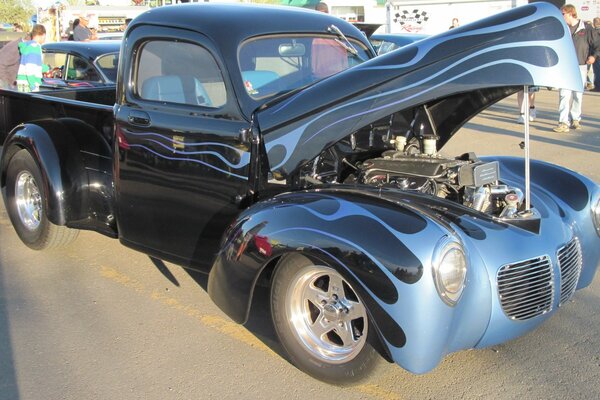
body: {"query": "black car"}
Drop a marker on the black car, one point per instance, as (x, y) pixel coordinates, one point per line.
(81, 64)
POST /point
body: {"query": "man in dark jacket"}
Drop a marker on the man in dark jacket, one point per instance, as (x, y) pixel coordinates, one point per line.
(569, 108)
(9, 64)
(596, 65)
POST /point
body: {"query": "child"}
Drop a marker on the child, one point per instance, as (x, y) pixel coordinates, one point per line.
(31, 69)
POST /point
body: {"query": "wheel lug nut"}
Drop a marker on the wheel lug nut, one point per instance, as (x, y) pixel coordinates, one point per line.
(323, 302)
(346, 310)
(335, 296)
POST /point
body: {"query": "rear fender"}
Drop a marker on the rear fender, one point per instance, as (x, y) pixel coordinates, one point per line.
(368, 240)
(76, 165)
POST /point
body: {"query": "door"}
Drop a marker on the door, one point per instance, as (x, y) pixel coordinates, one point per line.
(181, 167)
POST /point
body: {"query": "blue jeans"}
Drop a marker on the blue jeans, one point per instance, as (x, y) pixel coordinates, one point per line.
(596, 67)
(569, 102)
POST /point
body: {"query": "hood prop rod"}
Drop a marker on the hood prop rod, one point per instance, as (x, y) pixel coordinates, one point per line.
(527, 156)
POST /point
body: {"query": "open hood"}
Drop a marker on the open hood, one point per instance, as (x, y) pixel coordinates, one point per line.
(451, 76)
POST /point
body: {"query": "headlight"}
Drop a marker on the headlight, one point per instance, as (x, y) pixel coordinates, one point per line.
(449, 270)
(596, 215)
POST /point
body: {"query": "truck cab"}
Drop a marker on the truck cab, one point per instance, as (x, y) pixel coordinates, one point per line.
(189, 83)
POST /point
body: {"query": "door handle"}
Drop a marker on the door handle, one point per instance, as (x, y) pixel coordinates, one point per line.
(139, 118)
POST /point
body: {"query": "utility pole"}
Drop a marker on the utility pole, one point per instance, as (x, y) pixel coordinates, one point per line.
(388, 16)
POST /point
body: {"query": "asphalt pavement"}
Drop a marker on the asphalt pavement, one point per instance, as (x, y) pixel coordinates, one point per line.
(97, 320)
(495, 131)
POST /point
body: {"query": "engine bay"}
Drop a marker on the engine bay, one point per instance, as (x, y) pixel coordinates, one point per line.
(404, 155)
(464, 179)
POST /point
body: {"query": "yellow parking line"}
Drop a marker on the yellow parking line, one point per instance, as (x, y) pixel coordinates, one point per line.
(223, 325)
(215, 322)
(375, 391)
(124, 280)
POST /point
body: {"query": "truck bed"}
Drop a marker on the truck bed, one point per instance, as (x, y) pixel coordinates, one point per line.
(92, 105)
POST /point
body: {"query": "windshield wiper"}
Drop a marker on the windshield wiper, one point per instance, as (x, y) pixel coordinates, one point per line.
(345, 43)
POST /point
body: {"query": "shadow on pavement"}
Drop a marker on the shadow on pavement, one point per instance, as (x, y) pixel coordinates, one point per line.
(259, 321)
(9, 388)
(162, 267)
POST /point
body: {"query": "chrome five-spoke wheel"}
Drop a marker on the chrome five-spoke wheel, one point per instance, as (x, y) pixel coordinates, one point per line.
(326, 314)
(322, 322)
(28, 200)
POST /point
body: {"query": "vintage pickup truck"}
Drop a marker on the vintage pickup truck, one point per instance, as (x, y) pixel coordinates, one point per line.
(267, 146)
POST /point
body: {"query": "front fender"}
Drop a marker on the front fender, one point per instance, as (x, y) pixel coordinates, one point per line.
(381, 246)
(76, 165)
(571, 194)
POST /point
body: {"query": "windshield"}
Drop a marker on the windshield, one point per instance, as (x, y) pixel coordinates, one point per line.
(277, 64)
(108, 64)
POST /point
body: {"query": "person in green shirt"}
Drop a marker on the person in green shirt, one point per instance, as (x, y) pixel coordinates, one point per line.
(31, 68)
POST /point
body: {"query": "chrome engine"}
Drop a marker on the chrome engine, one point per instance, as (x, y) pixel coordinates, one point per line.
(412, 163)
(465, 179)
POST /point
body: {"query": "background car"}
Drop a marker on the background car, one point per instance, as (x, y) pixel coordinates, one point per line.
(386, 42)
(110, 35)
(77, 64)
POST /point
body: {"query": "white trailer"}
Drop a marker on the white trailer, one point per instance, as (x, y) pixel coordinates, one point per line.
(431, 17)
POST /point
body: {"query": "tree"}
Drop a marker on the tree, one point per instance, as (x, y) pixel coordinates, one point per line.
(19, 12)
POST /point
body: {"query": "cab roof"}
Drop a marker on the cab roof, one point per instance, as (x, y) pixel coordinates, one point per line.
(234, 23)
(228, 26)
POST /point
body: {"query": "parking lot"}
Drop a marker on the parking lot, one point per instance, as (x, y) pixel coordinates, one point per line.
(100, 321)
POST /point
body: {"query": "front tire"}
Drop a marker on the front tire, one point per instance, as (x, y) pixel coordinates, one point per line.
(27, 203)
(321, 322)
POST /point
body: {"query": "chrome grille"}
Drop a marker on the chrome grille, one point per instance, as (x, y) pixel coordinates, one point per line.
(526, 288)
(570, 261)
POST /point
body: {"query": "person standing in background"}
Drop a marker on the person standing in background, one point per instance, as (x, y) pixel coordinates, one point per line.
(126, 24)
(596, 64)
(455, 23)
(532, 110)
(322, 7)
(31, 69)
(569, 107)
(82, 33)
(75, 23)
(10, 58)
(589, 77)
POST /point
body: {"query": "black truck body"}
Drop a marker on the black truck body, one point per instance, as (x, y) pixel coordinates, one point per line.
(267, 144)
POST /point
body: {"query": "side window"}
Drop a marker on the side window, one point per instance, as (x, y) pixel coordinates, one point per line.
(179, 72)
(108, 65)
(56, 62)
(79, 69)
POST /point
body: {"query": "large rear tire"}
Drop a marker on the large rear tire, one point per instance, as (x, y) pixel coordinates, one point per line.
(321, 322)
(27, 203)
